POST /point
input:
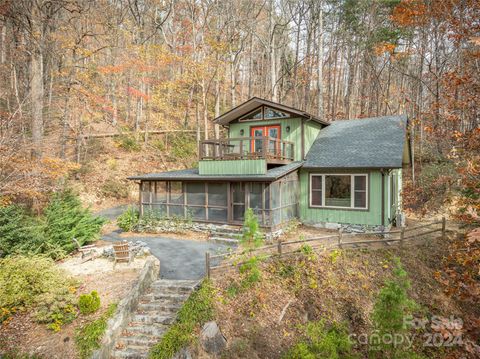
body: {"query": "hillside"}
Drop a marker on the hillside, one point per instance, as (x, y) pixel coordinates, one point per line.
(266, 318)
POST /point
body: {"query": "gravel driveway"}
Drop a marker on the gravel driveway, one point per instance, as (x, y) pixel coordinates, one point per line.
(179, 258)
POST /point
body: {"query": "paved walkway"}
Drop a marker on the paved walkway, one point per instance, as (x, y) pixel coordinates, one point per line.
(179, 258)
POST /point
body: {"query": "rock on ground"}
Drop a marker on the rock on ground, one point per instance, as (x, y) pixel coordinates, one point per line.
(212, 339)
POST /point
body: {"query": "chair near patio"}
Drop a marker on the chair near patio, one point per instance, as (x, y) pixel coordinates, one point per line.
(122, 253)
(88, 252)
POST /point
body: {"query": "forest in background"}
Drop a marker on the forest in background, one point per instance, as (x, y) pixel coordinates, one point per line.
(75, 68)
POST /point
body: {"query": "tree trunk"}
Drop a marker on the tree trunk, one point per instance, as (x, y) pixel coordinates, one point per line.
(36, 94)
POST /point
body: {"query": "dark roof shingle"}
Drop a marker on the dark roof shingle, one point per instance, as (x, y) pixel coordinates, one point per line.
(193, 175)
(376, 142)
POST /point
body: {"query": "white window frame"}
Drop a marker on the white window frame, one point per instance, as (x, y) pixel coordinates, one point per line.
(352, 190)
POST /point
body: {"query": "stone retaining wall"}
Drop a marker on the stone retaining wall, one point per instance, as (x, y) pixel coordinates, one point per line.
(115, 325)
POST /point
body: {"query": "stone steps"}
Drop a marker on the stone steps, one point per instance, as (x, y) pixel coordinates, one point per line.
(156, 310)
(226, 235)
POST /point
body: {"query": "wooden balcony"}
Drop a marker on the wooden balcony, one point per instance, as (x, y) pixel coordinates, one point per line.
(273, 150)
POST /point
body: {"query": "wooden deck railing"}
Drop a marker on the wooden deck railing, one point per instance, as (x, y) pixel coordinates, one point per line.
(240, 148)
(337, 241)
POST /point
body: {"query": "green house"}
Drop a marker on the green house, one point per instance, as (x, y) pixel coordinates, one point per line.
(285, 163)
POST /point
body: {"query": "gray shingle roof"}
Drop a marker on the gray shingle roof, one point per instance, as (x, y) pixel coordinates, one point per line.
(369, 143)
(193, 175)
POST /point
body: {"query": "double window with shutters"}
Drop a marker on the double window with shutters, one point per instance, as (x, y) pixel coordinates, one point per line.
(339, 191)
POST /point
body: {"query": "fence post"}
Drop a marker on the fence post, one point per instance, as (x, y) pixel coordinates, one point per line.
(402, 236)
(340, 238)
(207, 264)
(279, 247)
(444, 225)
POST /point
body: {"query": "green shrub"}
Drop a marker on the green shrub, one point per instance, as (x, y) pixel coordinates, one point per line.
(391, 307)
(65, 219)
(128, 219)
(88, 337)
(19, 233)
(322, 342)
(89, 303)
(36, 283)
(114, 189)
(197, 310)
(250, 271)
(128, 142)
(52, 234)
(251, 237)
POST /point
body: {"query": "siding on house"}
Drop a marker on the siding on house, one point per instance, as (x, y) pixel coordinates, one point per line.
(372, 216)
(232, 167)
(312, 130)
(393, 197)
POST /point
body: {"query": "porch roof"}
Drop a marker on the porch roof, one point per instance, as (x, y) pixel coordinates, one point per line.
(193, 175)
(377, 142)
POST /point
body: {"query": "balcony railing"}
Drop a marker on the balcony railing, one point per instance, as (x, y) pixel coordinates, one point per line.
(272, 149)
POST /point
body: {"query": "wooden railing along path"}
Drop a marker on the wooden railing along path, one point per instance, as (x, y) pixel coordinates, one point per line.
(336, 241)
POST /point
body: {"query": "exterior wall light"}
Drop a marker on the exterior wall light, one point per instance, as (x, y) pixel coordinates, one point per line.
(287, 129)
(242, 132)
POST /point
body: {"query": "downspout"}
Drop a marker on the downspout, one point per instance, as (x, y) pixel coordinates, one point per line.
(383, 197)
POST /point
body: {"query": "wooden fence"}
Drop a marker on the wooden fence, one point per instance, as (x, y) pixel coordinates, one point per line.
(340, 240)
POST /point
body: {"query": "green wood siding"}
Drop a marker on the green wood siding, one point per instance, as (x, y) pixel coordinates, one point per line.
(393, 196)
(311, 132)
(372, 216)
(232, 167)
(295, 134)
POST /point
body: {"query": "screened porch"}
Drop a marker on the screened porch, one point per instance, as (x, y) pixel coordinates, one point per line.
(274, 203)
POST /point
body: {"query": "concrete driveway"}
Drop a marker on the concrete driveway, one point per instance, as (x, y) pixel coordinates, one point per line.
(179, 258)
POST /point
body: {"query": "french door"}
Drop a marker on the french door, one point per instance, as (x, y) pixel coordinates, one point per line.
(273, 132)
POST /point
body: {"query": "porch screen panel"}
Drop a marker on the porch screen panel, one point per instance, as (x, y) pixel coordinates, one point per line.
(176, 193)
(176, 201)
(159, 197)
(196, 198)
(275, 215)
(217, 194)
(217, 199)
(195, 193)
(217, 214)
(196, 213)
(256, 202)
(145, 192)
(284, 199)
(146, 196)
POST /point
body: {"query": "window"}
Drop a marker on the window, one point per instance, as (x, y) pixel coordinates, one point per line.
(264, 113)
(360, 191)
(339, 190)
(254, 115)
(316, 190)
(270, 113)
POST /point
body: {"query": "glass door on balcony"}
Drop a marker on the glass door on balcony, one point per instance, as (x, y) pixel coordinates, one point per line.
(273, 146)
